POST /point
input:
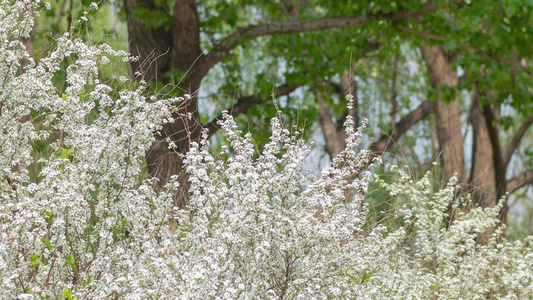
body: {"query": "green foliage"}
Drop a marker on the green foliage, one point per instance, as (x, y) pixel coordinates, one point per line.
(153, 18)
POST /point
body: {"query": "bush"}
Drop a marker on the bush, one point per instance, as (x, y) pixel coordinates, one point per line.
(85, 224)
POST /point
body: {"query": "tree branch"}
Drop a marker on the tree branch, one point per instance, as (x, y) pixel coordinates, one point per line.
(325, 119)
(497, 159)
(408, 121)
(245, 103)
(468, 48)
(222, 50)
(515, 141)
(521, 179)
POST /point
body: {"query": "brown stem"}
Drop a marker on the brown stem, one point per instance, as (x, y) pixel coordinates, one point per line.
(394, 92)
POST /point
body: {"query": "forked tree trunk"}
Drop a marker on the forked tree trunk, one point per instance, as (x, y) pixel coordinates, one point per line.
(486, 184)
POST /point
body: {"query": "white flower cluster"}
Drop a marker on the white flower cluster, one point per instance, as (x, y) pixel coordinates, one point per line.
(80, 224)
(85, 225)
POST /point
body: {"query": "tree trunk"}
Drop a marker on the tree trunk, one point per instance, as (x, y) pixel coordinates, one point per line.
(151, 45)
(160, 52)
(447, 115)
(334, 143)
(482, 178)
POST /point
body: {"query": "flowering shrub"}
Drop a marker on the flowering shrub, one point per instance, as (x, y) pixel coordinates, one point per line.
(86, 225)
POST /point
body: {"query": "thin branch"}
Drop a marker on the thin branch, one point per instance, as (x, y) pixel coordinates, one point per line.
(222, 50)
(468, 48)
(515, 141)
(408, 121)
(394, 91)
(521, 179)
(243, 104)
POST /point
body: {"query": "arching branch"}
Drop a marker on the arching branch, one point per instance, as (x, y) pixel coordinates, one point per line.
(521, 179)
(515, 140)
(243, 104)
(408, 121)
(223, 49)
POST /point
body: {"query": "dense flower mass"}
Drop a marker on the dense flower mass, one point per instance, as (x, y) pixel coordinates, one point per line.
(81, 222)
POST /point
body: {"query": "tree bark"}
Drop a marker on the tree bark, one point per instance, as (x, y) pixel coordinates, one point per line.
(334, 145)
(515, 140)
(483, 174)
(150, 44)
(482, 177)
(447, 115)
(521, 179)
(160, 52)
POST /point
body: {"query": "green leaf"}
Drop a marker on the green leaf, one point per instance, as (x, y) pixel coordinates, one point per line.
(232, 17)
(48, 216)
(35, 261)
(67, 294)
(510, 8)
(70, 260)
(450, 45)
(63, 153)
(46, 241)
(152, 18)
(448, 94)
